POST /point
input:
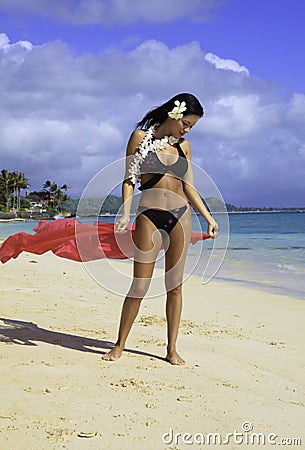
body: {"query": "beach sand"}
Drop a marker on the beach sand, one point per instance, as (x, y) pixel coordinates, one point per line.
(244, 352)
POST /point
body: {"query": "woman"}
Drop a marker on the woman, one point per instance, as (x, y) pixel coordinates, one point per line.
(159, 158)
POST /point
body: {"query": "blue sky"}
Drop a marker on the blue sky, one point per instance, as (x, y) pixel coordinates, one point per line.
(63, 62)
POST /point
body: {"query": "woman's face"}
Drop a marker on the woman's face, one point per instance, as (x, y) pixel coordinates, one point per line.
(182, 126)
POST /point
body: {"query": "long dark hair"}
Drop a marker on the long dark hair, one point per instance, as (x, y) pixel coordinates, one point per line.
(160, 113)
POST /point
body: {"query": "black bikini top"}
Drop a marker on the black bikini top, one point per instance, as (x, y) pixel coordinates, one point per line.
(152, 164)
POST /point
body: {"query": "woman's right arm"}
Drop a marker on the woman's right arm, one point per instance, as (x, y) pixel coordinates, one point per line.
(127, 186)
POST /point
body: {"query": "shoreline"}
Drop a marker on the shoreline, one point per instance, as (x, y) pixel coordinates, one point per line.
(17, 219)
(243, 348)
(227, 277)
(260, 287)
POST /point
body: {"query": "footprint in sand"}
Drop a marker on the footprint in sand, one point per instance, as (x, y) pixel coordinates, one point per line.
(277, 344)
(185, 398)
(151, 320)
(138, 385)
(153, 341)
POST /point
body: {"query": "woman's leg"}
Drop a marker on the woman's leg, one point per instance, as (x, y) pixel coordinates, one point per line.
(174, 265)
(148, 243)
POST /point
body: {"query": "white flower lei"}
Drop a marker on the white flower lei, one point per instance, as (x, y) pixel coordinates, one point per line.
(150, 145)
(145, 146)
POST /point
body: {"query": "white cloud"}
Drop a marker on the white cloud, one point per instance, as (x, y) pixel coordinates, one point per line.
(234, 116)
(4, 40)
(296, 107)
(225, 64)
(64, 118)
(110, 12)
(15, 53)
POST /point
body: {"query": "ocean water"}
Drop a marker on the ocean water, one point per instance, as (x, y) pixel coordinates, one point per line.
(265, 250)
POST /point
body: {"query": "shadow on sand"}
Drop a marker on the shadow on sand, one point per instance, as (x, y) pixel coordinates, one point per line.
(28, 333)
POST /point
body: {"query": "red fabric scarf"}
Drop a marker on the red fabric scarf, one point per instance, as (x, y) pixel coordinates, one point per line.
(71, 239)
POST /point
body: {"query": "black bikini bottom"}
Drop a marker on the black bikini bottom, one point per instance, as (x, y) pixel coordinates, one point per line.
(163, 220)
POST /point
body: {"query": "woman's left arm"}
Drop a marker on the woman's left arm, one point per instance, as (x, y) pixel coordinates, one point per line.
(192, 194)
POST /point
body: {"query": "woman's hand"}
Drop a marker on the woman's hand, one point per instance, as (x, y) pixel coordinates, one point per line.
(121, 225)
(213, 229)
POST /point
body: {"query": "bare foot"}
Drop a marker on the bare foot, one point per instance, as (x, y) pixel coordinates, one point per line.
(114, 354)
(174, 358)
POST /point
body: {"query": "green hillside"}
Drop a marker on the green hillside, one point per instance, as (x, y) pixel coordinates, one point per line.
(111, 205)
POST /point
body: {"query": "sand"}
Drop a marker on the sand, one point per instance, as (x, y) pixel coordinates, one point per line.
(244, 371)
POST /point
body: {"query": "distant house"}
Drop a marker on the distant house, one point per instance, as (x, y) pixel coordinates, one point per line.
(40, 200)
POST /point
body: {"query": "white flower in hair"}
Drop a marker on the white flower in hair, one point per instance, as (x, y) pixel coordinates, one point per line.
(148, 144)
(178, 110)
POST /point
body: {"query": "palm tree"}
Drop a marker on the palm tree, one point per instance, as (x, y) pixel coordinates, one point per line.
(13, 188)
(65, 197)
(22, 183)
(56, 194)
(12, 183)
(50, 187)
(5, 186)
(65, 188)
(47, 185)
